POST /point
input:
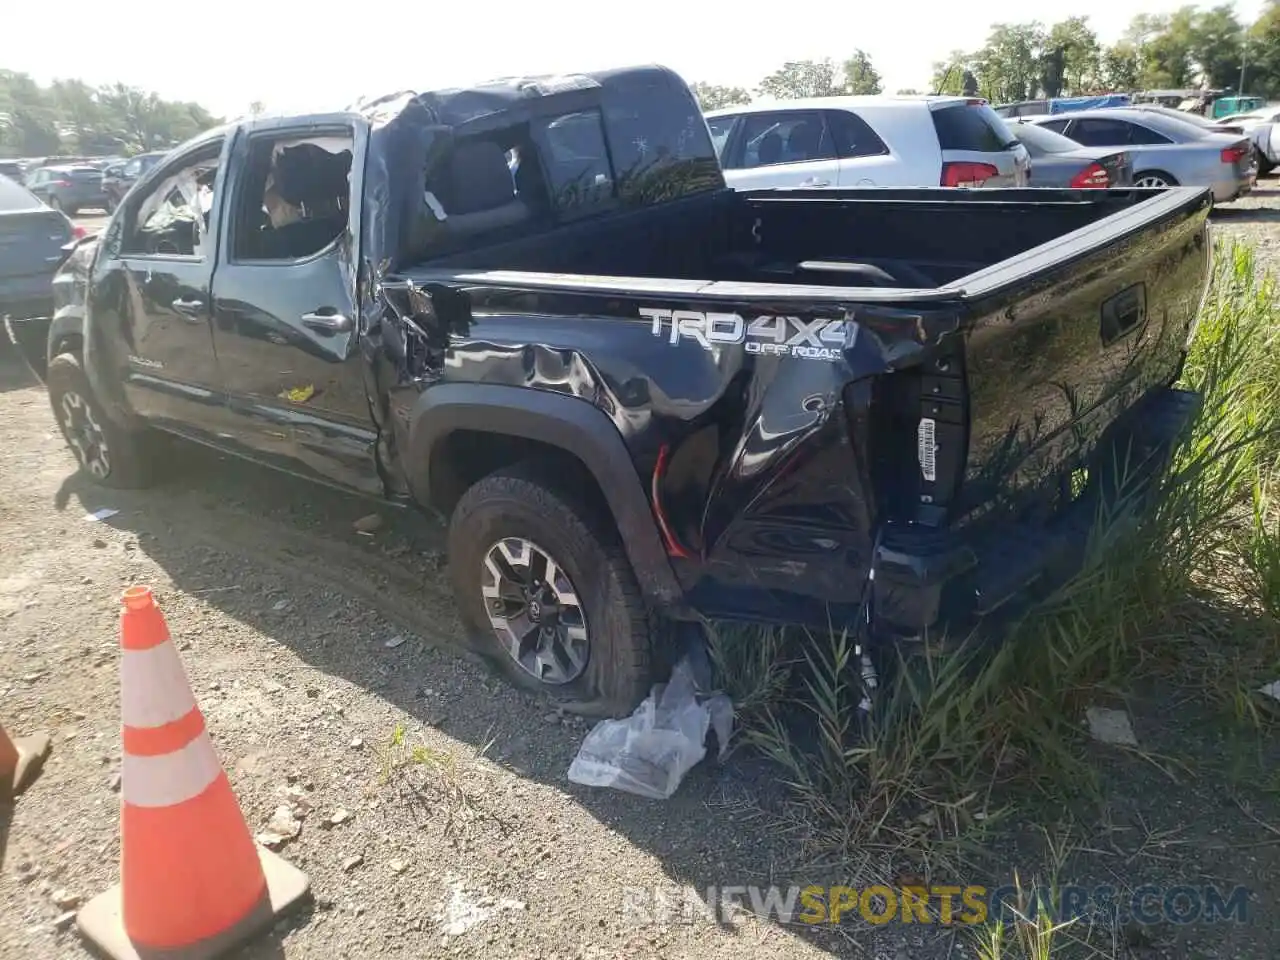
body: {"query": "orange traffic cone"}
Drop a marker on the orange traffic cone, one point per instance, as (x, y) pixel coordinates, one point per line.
(193, 883)
(21, 761)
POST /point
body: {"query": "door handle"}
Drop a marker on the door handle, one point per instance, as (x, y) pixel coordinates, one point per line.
(327, 322)
(815, 182)
(190, 309)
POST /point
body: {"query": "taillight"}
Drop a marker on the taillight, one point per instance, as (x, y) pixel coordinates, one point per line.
(59, 183)
(1093, 175)
(1235, 154)
(966, 174)
(78, 232)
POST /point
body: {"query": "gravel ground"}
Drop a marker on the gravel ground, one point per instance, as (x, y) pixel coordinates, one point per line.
(1256, 220)
(308, 642)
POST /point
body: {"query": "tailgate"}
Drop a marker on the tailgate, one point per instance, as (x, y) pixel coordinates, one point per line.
(1065, 338)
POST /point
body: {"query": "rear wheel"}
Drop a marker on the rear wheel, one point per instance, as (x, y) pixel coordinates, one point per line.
(547, 595)
(1150, 179)
(107, 453)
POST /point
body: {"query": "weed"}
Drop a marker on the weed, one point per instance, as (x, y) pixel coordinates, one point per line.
(751, 665)
(424, 776)
(1188, 587)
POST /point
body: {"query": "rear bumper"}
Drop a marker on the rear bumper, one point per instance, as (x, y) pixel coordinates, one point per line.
(1224, 191)
(925, 582)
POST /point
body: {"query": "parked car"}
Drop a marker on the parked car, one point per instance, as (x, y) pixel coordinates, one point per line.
(1023, 108)
(1034, 108)
(1225, 106)
(867, 141)
(1057, 161)
(1166, 151)
(12, 169)
(118, 178)
(1263, 129)
(1164, 98)
(32, 238)
(68, 189)
(1216, 126)
(638, 396)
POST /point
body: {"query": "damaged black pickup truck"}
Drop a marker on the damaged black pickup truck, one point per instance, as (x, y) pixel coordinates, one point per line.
(639, 397)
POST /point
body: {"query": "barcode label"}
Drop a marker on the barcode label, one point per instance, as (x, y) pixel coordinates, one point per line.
(925, 448)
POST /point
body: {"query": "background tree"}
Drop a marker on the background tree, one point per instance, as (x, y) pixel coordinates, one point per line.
(70, 117)
(1164, 49)
(1120, 67)
(1263, 69)
(1008, 67)
(1215, 42)
(1053, 68)
(1187, 48)
(949, 74)
(1080, 52)
(860, 77)
(712, 96)
(802, 78)
(797, 79)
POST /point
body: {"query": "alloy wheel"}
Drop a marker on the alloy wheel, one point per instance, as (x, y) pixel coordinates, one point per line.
(534, 610)
(84, 434)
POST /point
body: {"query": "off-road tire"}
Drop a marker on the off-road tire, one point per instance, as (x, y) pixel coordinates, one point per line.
(129, 463)
(522, 503)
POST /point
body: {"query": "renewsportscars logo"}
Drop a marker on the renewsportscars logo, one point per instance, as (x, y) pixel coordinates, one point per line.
(775, 336)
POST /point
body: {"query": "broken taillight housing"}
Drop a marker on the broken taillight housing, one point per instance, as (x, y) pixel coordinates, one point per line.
(915, 432)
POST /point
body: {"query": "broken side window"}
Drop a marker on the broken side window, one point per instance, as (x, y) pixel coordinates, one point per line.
(294, 200)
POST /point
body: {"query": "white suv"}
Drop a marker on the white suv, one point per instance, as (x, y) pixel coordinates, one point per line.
(868, 142)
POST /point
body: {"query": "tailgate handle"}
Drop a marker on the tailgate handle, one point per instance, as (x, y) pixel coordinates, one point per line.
(1123, 313)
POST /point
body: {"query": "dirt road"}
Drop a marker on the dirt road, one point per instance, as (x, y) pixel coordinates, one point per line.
(307, 643)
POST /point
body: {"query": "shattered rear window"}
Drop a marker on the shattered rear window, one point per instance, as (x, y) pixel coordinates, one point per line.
(659, 152)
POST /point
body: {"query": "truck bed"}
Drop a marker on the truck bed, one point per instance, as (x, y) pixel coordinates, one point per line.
(996, 344)
(908, 238)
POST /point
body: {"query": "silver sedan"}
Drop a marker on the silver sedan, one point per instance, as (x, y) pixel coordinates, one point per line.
(1166, 151)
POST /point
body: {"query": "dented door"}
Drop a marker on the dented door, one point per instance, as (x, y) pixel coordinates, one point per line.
(285, 319)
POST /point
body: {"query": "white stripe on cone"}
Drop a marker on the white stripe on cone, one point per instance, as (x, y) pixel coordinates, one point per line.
(170, 778)
(154, 687)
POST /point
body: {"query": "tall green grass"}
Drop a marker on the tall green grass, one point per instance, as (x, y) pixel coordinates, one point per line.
(1189, 588)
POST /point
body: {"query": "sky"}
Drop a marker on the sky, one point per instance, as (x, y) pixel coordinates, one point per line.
(305, 57)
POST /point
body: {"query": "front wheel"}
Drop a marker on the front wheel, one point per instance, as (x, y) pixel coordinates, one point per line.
(547, 595)
(107, 453)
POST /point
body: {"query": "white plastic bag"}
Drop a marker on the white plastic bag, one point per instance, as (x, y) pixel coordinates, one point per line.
(649, 752)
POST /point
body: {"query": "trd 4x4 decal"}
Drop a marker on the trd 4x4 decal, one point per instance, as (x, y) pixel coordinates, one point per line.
(777, 336)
